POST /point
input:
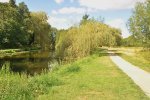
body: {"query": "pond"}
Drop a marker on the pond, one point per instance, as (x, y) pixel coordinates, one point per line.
(27, 62)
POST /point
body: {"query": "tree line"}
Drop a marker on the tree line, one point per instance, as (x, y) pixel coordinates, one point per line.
(21, 28)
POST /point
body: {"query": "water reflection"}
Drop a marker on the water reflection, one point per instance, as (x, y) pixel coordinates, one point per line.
(29, 62)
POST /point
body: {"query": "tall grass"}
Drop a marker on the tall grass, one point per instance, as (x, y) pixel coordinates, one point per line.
(73, 68)
(14, 86)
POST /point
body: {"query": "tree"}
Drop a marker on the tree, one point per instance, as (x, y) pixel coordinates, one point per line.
(12, 3)
(25, 21)
(24, 11)
(12, 32)
(131, 41)
(77, 42)
(84, 19)
(40, 29)
(139, 23)
(117, 34)
(52, 35)
(21, 28)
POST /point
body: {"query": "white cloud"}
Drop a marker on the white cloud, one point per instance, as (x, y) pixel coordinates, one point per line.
(59, 1)
(59, 23)
(109, 4)
(121, 24)
(64, 22)
(4, 0)
(73, 10)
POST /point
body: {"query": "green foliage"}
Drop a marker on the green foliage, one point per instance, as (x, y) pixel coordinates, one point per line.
(52, 35)
(78, 42)
(21, 87)
(14, 86)
(12, 3)
(10, 24)
(139, 23)
(22, 28)
(131, 41)
(40, 29)
(13, 32)
(85, 19)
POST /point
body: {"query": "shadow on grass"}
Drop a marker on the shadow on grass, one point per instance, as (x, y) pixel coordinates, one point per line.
(113, 50)
(114, 54)
(105, 52)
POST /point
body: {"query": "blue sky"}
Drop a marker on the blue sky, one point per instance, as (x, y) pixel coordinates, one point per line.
(65, 13)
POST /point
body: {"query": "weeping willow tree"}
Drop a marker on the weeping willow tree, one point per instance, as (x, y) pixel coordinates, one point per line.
(40, 29)
(78, 42)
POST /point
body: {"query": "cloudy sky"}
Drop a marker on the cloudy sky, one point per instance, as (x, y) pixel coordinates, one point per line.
(65, 13)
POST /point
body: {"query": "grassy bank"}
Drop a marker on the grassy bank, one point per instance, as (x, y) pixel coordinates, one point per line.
(92, 78)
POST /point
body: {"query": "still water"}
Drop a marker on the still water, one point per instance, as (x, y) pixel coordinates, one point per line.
(28, 62)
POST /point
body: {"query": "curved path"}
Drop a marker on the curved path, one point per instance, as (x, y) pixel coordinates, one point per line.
(139, 76)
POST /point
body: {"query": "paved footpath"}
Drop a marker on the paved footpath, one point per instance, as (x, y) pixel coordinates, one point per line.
(139, 76)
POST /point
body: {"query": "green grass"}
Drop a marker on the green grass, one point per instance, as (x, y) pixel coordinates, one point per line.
(16, 87)
(73, 68)
(97, 79)
(92, 78)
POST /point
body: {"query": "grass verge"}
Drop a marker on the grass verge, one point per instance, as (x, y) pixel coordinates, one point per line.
(92, 78)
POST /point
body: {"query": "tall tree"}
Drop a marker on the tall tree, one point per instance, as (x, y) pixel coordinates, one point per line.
(139, 23)
(25, 20)
(40, 29)
(12, 3)
(12, 34)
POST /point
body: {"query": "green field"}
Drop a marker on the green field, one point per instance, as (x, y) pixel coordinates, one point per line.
(92, 78)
